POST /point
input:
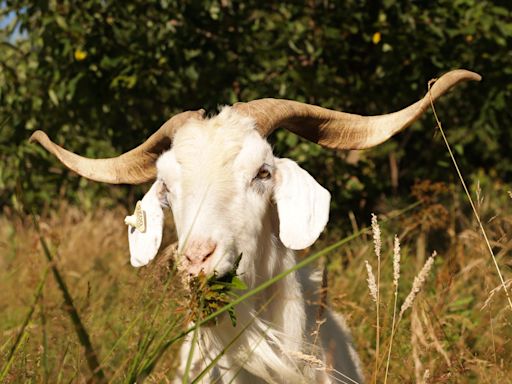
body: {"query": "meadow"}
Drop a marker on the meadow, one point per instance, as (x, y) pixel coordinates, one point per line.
(458, 329)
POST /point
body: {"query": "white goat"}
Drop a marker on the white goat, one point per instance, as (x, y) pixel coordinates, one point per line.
(229, 196)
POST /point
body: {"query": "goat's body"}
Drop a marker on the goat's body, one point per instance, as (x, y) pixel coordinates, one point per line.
(276, 339)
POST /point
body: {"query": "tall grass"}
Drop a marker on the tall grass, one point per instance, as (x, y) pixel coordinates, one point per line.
(83, 335)
(374, 289)
(136, 319)
(470, 199)
(22, 334)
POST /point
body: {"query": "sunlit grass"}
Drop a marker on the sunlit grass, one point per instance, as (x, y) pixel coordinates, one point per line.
(136, 318)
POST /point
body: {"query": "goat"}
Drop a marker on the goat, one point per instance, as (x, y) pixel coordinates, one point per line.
(229, 195)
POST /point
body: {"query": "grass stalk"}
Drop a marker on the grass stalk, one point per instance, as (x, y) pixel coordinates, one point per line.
(222, 353)
(396, 278)
(145, 366)
(62, 363)
(192, 348)
(120, 338)
(235, 338)
(378, 246)
(83, 336)
(45, 363)
(22, 335)
(144, 361)
(466, 190)
(144, 354)
(256, 345)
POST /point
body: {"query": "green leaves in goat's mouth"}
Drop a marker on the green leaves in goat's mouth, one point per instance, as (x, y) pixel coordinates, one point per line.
(209, 294)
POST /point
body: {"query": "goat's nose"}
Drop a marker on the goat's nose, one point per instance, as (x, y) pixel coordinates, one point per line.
(198, 251)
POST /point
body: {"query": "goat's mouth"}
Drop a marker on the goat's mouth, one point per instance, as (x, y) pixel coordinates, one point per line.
(211, 294)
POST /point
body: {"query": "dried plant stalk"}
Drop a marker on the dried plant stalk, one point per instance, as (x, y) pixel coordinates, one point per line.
(378, 246)
(418, 283)
(396, 278)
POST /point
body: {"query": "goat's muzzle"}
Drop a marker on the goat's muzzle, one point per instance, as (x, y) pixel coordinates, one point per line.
(197, 256)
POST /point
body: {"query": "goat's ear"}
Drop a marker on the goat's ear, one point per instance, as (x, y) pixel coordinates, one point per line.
(302, 205)
(145, 237)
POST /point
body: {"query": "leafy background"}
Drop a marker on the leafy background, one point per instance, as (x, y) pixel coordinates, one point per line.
(100, 76)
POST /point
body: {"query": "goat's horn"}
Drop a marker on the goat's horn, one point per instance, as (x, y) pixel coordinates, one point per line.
(133, 167)
(341, 130)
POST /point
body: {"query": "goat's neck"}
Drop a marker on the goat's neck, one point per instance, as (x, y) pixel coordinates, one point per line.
(283, 302)
(276, 316)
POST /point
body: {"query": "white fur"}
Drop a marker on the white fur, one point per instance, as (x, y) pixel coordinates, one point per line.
(144, 246)
(299, 228)
(210, 174)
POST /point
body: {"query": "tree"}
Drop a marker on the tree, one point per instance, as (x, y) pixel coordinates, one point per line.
(100, 76)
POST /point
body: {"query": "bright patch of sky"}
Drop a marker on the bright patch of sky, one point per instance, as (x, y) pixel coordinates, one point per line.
(7, 19)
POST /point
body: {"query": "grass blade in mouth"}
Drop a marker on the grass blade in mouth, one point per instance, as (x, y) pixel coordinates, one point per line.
(209, 294)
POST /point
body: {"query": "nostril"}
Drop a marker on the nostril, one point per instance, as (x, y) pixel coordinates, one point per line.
(206, 257)
(210, 250)
(198, 252)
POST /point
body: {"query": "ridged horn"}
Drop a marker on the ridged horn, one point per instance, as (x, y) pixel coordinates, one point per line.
(133, 167)
(340, 130)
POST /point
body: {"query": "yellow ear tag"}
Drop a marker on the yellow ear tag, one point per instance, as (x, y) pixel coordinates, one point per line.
(138, 219)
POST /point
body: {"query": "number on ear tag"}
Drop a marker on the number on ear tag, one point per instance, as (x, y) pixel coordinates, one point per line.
(138, 219)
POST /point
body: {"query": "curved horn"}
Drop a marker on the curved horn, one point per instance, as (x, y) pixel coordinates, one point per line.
(340, 130)
(133, 167)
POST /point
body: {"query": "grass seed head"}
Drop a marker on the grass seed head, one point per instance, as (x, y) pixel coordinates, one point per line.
(418, 283)
(376, 236)
(396, 261)
(372, 285)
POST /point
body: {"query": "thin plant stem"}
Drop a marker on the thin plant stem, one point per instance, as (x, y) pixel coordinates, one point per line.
(396, 280)
(22, 335)
(62, 363)
(83, 336)
(125, 332)
(378, 249)
(377, 335)
(493, 345)
(145, 357)
(230, 344)
(502, 280)
(392, 335)
(45, 364)
(242, 365)
(192, 346)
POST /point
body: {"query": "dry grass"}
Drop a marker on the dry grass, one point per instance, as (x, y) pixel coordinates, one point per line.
(118, 304)
(447, 337)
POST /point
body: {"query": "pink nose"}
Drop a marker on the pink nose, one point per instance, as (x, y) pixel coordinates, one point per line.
(197, 252)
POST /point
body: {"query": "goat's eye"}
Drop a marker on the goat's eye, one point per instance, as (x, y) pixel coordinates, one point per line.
(264, 173)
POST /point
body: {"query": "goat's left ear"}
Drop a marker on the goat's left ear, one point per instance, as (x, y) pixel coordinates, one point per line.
(145, 227)
(302, 205)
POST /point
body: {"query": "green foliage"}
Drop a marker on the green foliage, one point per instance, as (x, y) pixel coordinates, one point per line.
(101, 76)
(210, 294)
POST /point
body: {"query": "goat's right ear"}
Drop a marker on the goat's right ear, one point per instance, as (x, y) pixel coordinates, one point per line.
(302, 205)
(145, 227)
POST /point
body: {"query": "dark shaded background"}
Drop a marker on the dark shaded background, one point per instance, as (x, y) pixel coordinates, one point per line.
(100, 76)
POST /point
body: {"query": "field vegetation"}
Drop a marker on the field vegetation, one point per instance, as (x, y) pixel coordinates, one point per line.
(457, 330)
(100, 76)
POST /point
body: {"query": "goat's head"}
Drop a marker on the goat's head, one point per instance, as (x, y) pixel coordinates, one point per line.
(226, 189)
